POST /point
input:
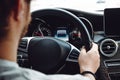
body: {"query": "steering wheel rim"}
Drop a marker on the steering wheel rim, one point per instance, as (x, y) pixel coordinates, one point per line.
(69, 56)
(64, 13)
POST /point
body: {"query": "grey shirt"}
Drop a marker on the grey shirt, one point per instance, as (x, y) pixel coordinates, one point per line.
(11, 71)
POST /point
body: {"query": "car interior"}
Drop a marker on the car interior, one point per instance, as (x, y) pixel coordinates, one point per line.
(55, 36)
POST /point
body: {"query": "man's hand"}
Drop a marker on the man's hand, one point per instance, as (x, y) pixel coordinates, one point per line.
(89, 61)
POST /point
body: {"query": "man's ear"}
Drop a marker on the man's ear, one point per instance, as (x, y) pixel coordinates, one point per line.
(18, 9)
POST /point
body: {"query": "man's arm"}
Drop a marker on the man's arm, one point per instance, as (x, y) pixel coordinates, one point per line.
(89, 61)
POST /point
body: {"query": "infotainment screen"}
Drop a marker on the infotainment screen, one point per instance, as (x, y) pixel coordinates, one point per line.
(112, 22)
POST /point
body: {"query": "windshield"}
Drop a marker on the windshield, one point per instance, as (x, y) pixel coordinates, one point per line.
(85, 5)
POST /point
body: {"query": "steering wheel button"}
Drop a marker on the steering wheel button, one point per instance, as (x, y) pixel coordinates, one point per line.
(23, 43)
(25, 56)
(19, 56)
(73, 57)
(74, 54)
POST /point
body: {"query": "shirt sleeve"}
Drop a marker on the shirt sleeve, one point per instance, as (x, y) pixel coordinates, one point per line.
(11, 71)
(68, 77)
(35, 75)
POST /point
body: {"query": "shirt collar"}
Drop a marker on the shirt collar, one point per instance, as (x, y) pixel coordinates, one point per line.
(8, 63)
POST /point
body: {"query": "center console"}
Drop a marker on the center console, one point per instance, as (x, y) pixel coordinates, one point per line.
(110, 44)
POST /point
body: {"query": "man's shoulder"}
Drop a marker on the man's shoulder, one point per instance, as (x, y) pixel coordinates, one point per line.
(12, 71)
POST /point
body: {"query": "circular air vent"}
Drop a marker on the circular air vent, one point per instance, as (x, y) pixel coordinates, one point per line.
(108, 47)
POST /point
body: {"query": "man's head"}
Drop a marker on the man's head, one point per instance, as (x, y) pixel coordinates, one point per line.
(11, 11)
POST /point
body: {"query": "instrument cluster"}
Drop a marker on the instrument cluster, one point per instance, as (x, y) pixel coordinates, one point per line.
(64, 31)
(59, 28)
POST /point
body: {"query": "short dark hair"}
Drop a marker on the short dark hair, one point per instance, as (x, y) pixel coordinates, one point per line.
(6, 6)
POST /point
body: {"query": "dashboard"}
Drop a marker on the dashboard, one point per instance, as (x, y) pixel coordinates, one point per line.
(103, 30)
(59, 27)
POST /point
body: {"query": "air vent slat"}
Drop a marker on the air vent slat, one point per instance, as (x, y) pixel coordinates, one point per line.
(107, 48)
(108, 44)
(108, 52)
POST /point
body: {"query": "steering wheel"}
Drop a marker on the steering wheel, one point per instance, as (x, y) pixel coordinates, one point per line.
(48, 54)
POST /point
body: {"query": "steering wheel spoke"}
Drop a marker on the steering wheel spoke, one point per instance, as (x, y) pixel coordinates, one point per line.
(74, 54)
(22, 56)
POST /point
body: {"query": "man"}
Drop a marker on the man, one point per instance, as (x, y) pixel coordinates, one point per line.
(14, 19)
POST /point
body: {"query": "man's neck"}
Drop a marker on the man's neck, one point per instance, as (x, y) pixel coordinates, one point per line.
(8, 49)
